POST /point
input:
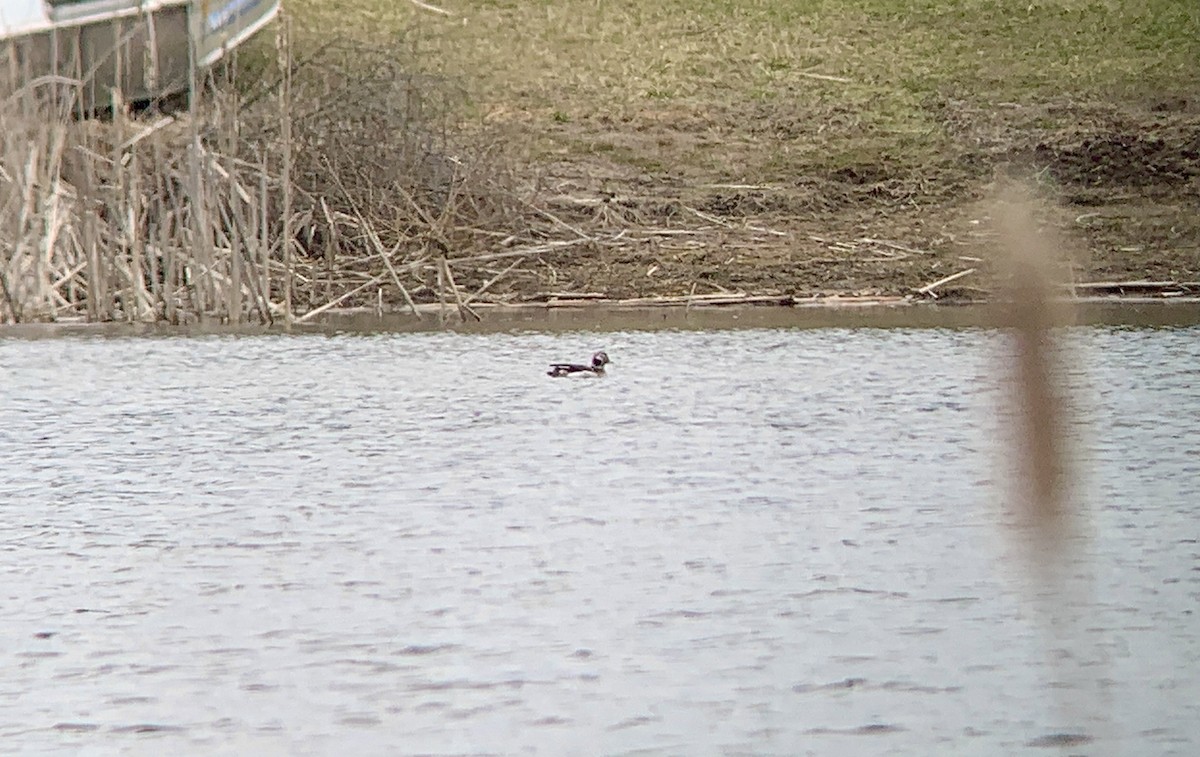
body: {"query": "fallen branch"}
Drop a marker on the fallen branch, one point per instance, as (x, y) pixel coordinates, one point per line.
(487, 284)
(539, 249)
(825, 77)
(335, 302)
(387, 262)
(685, 300)
(147, 131)
(894, 246)
(928, 288)
(555, 219)
(1119, 287)
(463, 309)
(431, 8)
(546, 296)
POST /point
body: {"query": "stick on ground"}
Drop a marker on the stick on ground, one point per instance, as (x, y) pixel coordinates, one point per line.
(928, 288)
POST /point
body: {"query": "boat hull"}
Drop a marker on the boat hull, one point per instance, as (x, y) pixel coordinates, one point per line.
(102, 52)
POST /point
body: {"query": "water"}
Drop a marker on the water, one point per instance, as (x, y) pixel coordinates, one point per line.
(766, 541)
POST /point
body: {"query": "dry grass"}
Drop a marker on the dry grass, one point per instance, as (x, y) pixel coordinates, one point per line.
(769, 90)
(514, 150)
(130, 219)
(274, 194)
(830, 121)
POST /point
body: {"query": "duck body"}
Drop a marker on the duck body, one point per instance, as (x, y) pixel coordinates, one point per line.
(560, 370)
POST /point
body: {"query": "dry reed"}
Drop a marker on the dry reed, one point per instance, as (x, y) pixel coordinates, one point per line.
(129, 218)
(324, 183)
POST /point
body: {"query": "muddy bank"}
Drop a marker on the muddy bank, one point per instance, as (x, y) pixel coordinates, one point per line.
(392, 157)
(252, 213)
(1121, 185)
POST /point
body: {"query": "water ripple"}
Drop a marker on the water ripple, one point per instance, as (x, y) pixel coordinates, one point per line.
(420, 544)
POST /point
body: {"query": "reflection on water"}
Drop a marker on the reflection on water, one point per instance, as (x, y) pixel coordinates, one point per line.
(741, 542)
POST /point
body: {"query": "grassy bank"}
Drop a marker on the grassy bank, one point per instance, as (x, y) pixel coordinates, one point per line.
(830, 122)
(512, 151)
(770, 90)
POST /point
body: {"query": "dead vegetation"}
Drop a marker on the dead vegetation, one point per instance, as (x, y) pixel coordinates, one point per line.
(339, 187)
(130, 219)
(395, 157)
(155, 217)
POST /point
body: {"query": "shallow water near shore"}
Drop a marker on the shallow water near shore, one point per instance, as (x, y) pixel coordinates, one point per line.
(816, 314)
(765, 540)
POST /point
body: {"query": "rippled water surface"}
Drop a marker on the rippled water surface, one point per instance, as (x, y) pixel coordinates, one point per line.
(764, 541)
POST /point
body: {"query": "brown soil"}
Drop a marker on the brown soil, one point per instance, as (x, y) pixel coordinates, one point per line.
(1121, 186)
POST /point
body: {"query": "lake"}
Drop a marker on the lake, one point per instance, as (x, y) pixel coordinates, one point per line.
(761, 540)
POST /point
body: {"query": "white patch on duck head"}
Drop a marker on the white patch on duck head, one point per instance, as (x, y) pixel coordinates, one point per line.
(599, 360)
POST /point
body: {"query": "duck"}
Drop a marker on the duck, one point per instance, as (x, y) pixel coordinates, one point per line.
(599, 360)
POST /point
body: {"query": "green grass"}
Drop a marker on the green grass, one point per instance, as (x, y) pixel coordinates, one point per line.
(750, 69)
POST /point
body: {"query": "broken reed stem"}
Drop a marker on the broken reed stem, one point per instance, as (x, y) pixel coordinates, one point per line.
(95, 282)
(262, 210)
(283, 47)
(488, 284)
(463, 309)
(928, 288)
(193, 275)
(238, 202)
(387, 261)
(335, 302)
(441, 289)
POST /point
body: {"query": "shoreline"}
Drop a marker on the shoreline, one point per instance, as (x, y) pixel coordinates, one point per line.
(450, 180)
(610, 316)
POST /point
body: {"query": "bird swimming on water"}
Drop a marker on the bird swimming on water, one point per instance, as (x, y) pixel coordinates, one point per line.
(599, 360)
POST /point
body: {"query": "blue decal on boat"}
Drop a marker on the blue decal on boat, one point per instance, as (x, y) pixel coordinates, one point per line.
(228, 13)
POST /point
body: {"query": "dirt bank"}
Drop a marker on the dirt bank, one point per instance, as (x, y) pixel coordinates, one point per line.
(846, 146)
(521, 152)
(1121, 185)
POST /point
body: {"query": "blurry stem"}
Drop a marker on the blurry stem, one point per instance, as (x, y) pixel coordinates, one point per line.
(283, 47)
